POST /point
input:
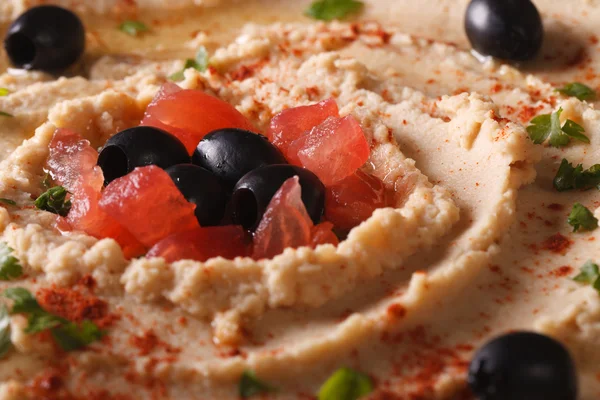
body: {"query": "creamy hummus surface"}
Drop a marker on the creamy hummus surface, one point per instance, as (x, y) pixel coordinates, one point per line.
(477, 246)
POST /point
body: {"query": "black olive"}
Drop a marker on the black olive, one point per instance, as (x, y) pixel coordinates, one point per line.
(523, 366)
(254, 191)
(138, 147)
(47, 38)
(231, 153)
(506, 29)
(204, 189)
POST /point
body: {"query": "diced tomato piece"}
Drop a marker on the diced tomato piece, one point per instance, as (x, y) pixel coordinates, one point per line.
(323, 234)
(72, 163)
(285, 223)
(191, 114)
(332, 150)
(149, 205)
(354, 199)
(292, 123)
(202, 244)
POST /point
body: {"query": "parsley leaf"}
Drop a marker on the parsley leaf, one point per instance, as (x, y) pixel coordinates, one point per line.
(72, 336)
(133, 28)
(5, 343)
(327, 10)
(8, 201)
(589, 272)
(40, 321)
(55, 201)
(346, 384)
(23, 301)
(4, 92)
(68, 335)
(200, 63)
(569, 177)
(548, 126)
(575, 131)
(250, 385)
(9, 265)
(5, 114)
(583, 218)
(579, 90)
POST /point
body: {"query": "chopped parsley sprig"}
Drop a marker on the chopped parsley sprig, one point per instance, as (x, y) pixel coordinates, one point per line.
(250, 385)
(346, 384)
(133, 28)
(68, 335)
(5, 343)
(10, 267)
(582, 219)
(328, 10)
(5, 114)
(547, 126)
(578, 90)
(569, 177)
(199, 63)
(8, 201)
(54, 200)
(589, 274)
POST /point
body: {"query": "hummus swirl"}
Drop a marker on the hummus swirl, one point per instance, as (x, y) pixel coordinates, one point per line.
(465, 254)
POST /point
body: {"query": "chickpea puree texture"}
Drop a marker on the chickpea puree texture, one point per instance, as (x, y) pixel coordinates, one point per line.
(481, 244)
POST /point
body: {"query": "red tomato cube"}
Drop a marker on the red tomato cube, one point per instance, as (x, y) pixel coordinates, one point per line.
(284, 224)
(292, 123)
(354, 199)
(202, 244)
(149, 205)
(191, 114)
(332, 150)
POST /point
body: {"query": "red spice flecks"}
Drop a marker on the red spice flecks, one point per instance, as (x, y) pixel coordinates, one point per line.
(75, 306)
(87, 281)
(557, 243)
(396, 311)
(149, 342)
(47, 385)
(561, 272)
(556, 207)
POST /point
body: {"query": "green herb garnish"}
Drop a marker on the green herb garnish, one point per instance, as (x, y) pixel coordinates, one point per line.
(579, 90)
(10, 268)
(327, 10)
(200, 63)
(582, 218)
(589, 274)
(68, 335)
(548, 126)
(250, 385)
(5, 343)
(5, 114)
(8, 201)
(569, 177)
(133, 28)
(346, 384)
(4, 92)
(55, 201)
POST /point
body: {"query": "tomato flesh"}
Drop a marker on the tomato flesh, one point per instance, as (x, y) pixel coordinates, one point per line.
(323, 234)
(354, 199)
(149, 205)
(201, 244)
(333, 150)
(191, 114)
(284, 224)
(292, 123)
(72, 164)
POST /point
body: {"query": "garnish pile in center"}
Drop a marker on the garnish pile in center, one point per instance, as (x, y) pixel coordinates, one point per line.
(191, 185)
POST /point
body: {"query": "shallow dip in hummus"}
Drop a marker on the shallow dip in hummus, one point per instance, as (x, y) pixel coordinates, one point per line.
(485, 235)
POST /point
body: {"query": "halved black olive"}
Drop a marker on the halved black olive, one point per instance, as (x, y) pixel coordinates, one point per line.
(254, 191)
(47, 38)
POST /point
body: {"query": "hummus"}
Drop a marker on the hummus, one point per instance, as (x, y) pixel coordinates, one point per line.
(477, 245)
